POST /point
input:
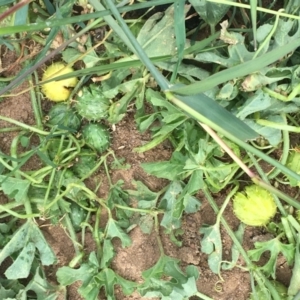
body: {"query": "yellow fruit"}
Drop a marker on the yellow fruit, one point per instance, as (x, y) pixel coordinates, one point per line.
(58, 90)
(256, 207)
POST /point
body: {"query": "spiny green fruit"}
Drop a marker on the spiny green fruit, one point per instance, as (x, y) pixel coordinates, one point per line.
(92, 104)
(255, 207)
(96, 136)
(77, 215)
(64, 116)
(85, 162)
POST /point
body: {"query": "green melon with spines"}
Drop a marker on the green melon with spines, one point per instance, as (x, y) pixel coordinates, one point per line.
(92, 104)
(64, 116)
(96, 136)
(85, 162)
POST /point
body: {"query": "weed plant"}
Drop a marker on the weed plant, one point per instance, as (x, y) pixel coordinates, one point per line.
(226, 96)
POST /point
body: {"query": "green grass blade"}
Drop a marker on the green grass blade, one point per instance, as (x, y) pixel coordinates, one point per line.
(201, 45)
(207, 111)
(112, 23)
(21, 16)
(253, 5)
(179, 26)
(102, 69)
(77, 19)
(240, 70)
(265, 10)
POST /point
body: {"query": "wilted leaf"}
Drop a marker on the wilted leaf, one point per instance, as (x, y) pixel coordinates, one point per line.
(282, 34)
(181, 286)
(266, 76)
(114, 230)
(157, 36)
(108, 253)
(146, 199)
(14, 188)
(235, 253)
(273, 135)
(118, 196)
(67, 275)
(85, 274)
(237, 54)
(94, 279)
(173, 206)
(90, 59)
(258, 102)
(171, 169)
(211, 244)
(294, 164)
(68, 178)
(43, 289)
(118, 109)
(275, 247)
(146, 223)
(27, 237)
(22, 265)
(228, 91)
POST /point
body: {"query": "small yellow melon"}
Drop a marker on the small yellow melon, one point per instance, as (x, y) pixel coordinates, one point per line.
(256, 207)
(58, 90)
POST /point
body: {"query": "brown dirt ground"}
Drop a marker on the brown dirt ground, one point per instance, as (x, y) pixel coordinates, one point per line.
(144, 252)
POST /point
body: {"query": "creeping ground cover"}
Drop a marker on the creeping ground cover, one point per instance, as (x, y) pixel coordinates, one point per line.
(149, 150)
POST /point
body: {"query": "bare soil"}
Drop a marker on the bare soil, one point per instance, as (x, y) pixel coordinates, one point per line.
(143, 253)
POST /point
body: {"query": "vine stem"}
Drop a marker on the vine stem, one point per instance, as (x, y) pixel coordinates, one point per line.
(285, 150)
(14, 154)
(24, 126)
(160, 245)
(253, 269)
(96, 234)
(224, 205)
(71, 232)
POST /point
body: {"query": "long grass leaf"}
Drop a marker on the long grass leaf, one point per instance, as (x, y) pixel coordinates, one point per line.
(268, 11)
(240, 70)
(207, 111)
(179, 26)
(120, 64)
(253, 6)
(20, 17)
(77, 19)
(102, 69)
